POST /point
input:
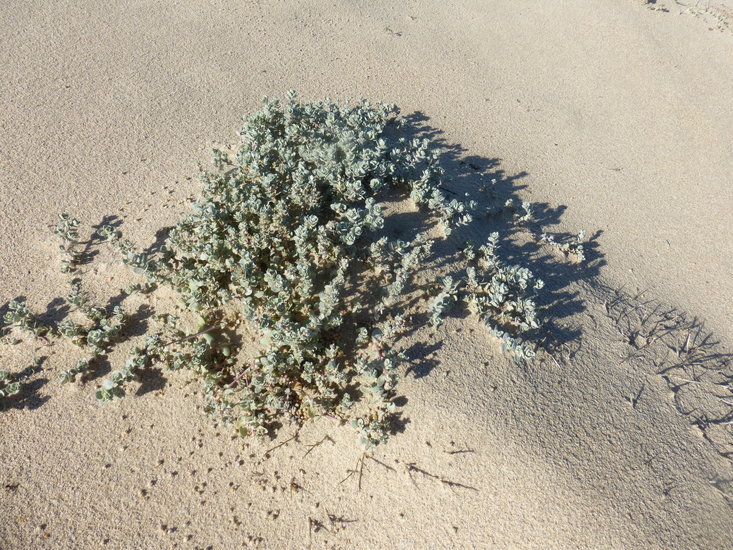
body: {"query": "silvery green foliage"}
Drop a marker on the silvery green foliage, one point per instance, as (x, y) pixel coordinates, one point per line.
(522, 213)
(67, 376)
(96, 339)
(501, 295)
(446, 297)
(140, 262)
(67, 229)
(114, 385)
(394, 261)
(96, 334)
(285, 234)
(79, 300)
(525, 214)
(287, 238)
(9, 384)
(572, 247)
(18, 315)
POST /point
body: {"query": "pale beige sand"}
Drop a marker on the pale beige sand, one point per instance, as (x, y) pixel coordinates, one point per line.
(616, 114)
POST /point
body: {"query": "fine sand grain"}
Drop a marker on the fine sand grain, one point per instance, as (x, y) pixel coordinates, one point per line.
(611, 116)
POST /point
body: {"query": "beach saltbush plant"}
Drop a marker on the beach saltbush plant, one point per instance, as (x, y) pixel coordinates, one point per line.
(288, 240)
(286, 232)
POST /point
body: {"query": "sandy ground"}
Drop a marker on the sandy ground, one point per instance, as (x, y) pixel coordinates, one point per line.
(614, 117)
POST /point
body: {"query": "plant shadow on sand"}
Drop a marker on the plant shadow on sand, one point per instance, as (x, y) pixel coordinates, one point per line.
(29, 396)
(520, 241)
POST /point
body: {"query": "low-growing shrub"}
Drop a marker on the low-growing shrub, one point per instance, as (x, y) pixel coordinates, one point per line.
(288, 239)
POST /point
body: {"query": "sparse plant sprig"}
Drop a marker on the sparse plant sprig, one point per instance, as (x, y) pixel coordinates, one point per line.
(12, 383)
(71, 330)
(81, 368)
(9, 384)
(139, 288)
(96, 335)
(469, 251)
(104, 326)
(522, 213)
(67, 229)
(140, 359)
(140, 262)
(378, 373)
(571, 247)
(18, 315)
(489, 189)
(447, 296)
(574, 247)
(114, 386)
(106, 330)
(108, 233)
(78, 299)
(525, 215)
(501, 296)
